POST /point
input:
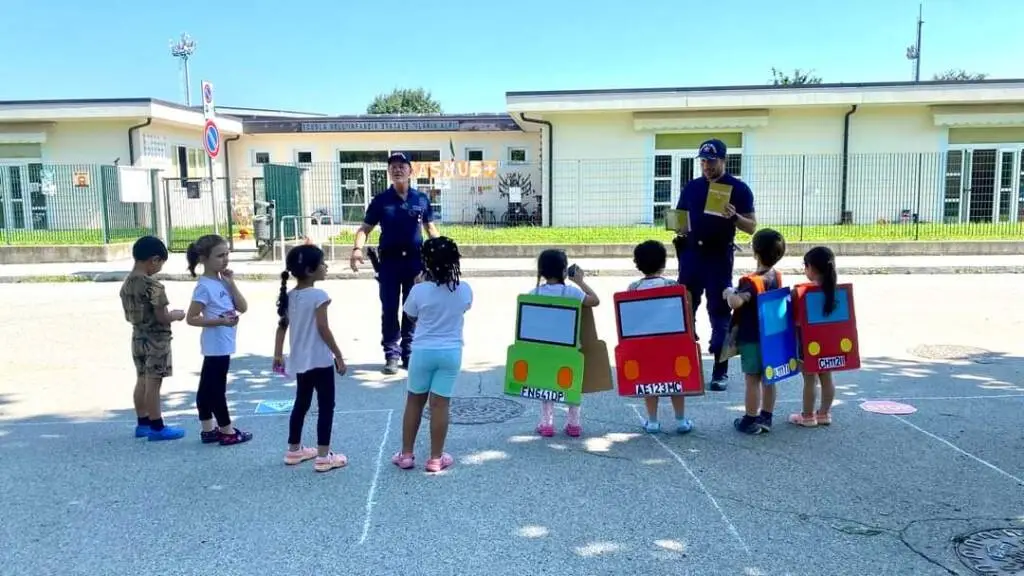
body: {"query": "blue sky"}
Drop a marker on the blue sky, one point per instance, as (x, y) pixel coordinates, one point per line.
(334, 56)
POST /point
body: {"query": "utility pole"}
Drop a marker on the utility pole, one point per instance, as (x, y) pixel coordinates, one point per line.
(914, 52)
(183, 49)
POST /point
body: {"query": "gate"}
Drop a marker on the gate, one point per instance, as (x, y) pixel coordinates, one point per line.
(196, 207)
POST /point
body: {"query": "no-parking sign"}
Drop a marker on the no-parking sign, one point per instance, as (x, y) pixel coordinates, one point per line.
(208, 100)
(211, 139)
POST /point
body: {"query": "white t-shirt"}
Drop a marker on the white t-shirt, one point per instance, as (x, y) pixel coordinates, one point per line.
(307, 350)
(440, 314)
(216, 298)
(645, 283)
(560, 290)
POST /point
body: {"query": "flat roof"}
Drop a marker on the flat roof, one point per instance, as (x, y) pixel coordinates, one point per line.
(483, 122)
(750, 87)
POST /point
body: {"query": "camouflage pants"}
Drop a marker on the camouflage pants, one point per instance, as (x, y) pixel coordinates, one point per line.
(152, 355)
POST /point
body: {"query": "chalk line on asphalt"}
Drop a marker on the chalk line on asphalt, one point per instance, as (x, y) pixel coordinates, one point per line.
(376, 476)
(686, 467)
(986, 463)
(6, 424)
(862, 398)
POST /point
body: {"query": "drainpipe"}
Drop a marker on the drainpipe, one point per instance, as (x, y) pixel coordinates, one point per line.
(131, 140)
(227, 183)
(845, 217)
(547, 209)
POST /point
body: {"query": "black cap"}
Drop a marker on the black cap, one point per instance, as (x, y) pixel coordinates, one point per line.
(398, 157)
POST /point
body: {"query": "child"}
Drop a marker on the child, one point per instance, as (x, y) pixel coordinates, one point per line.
(216, 304)
(649, 258)
(769, 247)
(553, 268)
(820, 268)
(145, 306)
(314, 355)
(438, 304)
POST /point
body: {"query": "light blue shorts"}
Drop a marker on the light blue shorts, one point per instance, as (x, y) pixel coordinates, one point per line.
(434, 371)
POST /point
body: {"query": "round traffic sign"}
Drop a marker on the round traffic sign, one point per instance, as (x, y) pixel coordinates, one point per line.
(211, 139)
(208, 93)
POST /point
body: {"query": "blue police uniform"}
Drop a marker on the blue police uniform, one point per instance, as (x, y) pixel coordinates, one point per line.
(706, 260)
(401, 224)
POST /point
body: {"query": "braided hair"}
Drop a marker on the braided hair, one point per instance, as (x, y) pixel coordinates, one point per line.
(441, 260)
(301, 262)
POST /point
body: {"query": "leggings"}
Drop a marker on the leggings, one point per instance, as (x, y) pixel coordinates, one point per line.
(212, 396)
(320, 380)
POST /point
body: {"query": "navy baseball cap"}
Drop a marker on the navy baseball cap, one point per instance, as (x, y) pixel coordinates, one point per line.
(398, 157)
(713, 149)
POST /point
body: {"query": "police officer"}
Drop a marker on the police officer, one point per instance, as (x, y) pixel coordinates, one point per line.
(705, 252)
(402, 212)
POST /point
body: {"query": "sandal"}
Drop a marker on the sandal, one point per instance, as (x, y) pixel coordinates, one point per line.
(573, 430)
(652, 427)
(803, 420)
(824, 418)
(404, 461)
(439, 464)
(546, 430)
(329, 462)
(293, 457)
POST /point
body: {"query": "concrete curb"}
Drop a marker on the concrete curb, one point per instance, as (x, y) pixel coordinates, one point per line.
(118, 276)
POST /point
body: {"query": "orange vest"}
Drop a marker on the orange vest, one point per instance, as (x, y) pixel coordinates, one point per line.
(759, 288)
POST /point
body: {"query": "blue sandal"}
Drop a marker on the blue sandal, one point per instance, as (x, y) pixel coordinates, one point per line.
(684, 426)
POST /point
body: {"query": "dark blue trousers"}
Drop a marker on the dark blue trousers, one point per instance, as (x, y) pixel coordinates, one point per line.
(395, 280)
(708, 273)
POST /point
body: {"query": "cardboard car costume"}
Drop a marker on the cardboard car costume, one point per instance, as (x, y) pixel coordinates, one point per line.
(556, 355)
(828, 342)
(657, 354)
(778, 339)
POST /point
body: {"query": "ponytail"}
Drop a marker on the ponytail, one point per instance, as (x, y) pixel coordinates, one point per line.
(828, 286)
(192, 257)
(282, 301)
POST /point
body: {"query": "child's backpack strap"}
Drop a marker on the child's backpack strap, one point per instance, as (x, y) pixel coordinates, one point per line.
(757, 281)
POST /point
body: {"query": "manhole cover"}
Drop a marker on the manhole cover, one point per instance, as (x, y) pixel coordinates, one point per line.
(480, 410)
(999, 551)
(953, 352)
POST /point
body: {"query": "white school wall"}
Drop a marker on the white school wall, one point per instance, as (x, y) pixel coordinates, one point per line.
(322, 184)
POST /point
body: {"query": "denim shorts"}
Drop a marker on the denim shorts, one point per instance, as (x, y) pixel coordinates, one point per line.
(434, 371)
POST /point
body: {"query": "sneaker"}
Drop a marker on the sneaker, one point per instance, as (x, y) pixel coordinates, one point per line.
(405, 362)
(439, 464)
(764, 420)
(719, 377)
(390, 366)
(652, 427)
(142, 431)
(403, 461)
(293, 457)
(168, 433)
(684, 426)
(329, 462)
(747, 425)
(238, 437)
(210, 437)
(824, 418)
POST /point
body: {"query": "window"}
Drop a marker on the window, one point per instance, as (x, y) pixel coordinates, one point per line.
(190, 162)
(815, 302)
(362, 157)
(517, 155)
(662, 185)
(474, 154)
(652, 317)
(304, 157)
(261, 158)
(672, 170)
(547, 324)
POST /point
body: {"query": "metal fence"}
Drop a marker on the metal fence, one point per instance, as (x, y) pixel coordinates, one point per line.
(65, 204)
(971, 194)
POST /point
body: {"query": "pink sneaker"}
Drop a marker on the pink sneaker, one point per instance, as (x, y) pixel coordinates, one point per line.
(329, 462)
(546, 430)
(824, 418)
(403, 461)
(438, 464)
(802, 420)
(293, 457)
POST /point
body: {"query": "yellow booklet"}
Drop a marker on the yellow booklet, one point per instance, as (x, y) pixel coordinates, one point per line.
(718, 196)
(677, 220)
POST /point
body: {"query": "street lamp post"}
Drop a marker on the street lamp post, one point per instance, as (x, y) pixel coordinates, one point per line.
(183, 49)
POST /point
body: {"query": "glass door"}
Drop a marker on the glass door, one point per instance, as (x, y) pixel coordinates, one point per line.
(1005, 187)
(982, 188)
(14, 189)
(350, 204)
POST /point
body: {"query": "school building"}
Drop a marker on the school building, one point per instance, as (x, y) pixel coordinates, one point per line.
(820, 154)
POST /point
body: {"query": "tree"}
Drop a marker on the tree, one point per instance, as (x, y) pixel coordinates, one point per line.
(959, 75)
(799, 78)
(404, 101)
